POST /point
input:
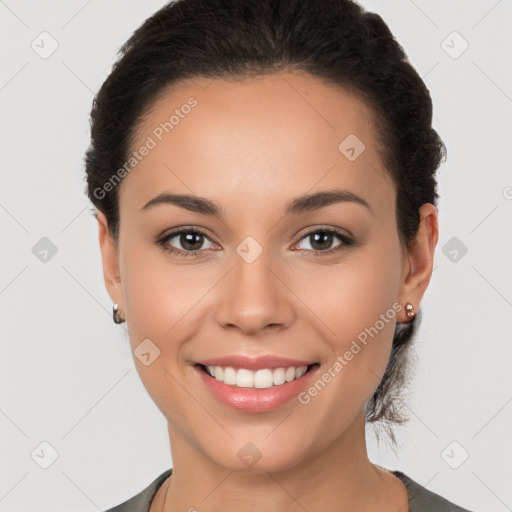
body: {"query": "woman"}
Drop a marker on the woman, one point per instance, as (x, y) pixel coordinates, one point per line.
(264, 179)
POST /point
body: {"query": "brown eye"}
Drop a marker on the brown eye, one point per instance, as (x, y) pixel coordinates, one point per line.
(189, 242)
(321, 241)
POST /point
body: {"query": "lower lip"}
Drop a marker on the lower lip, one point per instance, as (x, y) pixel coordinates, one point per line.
(254, 399)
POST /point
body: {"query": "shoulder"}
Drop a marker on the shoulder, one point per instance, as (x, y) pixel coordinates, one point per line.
(423, 500)
(142, 501)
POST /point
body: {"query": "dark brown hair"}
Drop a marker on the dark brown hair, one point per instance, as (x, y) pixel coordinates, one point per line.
(334, 40)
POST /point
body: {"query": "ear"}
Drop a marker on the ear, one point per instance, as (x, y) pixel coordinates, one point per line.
(419, 260)
(109, 258)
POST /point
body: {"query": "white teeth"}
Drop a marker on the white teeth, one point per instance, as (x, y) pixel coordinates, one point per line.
(244, 378)
(229, 376)
(264, 378)
(290, 374)
(279, 376)
(299, 372)
(219, 372)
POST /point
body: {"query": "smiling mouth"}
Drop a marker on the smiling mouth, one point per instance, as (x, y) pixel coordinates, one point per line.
(259, 379)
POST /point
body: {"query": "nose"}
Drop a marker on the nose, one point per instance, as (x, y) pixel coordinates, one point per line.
(254, 297)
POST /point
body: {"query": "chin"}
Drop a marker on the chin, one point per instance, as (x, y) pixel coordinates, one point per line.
(241, 455)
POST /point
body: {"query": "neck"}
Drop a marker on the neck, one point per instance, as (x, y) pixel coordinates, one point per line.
(338, 477)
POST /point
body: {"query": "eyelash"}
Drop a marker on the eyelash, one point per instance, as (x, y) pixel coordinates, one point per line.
(346, 242)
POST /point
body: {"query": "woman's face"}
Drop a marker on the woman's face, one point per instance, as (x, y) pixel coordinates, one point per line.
(268, 275)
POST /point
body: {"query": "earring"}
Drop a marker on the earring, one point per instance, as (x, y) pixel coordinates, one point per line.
(410, 311)
(115, 315)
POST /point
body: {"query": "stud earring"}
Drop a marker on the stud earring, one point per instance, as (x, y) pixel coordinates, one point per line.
(410, 311)
(115, 315)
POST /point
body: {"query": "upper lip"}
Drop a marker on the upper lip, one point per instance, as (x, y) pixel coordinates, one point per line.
(254, 363)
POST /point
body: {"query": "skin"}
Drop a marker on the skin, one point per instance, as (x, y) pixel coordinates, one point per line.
(252, 147)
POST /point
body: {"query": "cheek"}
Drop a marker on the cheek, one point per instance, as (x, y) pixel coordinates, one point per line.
(350, 296)
(158, 294)
(159, 309)
(164, 303)
(356, 303)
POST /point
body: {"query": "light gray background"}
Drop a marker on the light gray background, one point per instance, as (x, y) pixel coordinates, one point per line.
(67, 375)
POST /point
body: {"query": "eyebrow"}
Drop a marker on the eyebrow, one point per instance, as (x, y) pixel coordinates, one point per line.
(302, 204)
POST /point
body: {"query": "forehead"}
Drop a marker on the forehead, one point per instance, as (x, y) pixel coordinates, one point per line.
(283, 134)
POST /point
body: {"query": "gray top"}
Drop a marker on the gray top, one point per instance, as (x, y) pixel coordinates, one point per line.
(420, 498)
